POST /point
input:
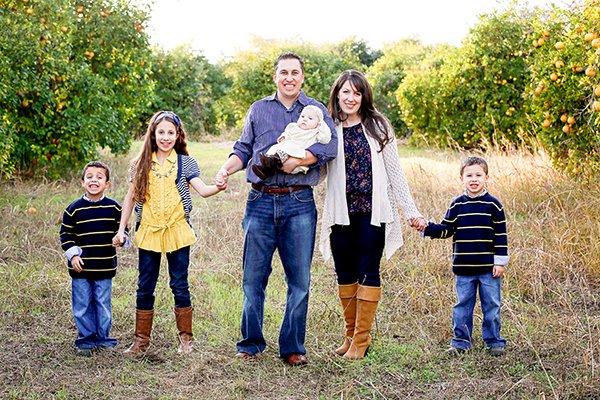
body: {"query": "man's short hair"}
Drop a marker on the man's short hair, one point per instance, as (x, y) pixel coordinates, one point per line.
(289, 56)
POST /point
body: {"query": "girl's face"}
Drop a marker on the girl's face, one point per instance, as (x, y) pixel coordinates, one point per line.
(166, 136)
(349, 99)
(308, 119)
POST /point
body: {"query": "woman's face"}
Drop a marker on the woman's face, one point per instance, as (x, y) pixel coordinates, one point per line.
(349, 99)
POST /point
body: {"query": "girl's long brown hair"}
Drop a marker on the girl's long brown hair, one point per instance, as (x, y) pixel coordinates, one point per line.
(143, 162)
(376, 124)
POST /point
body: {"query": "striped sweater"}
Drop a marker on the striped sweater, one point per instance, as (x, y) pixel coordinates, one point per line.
(477, 226)
(87, 230)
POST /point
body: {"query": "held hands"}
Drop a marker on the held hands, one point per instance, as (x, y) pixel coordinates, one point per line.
(418, 223)
(221, 179)
(77, 263)
(498, 271)
(119, 239)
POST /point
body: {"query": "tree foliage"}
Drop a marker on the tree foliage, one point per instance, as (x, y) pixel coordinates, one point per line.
(73, 78)
(188, 84)
(386, 74)
(565, 87)
(251, 75)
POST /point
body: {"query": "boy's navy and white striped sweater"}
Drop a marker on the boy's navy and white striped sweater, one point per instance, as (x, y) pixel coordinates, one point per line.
(87, 230)
(477, 226)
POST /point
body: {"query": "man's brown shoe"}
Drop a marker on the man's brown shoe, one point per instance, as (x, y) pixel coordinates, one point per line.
(295, 360)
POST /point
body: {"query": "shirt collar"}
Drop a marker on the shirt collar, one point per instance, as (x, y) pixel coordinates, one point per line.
(302, 98)
(92, 201)
(172, 157)
(474, 197)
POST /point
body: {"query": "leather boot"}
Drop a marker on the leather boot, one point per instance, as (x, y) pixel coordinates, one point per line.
(183, 318)
(347, 294)
(367, 299)
(143, 329)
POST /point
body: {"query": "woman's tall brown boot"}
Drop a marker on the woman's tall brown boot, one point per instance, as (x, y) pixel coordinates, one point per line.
(143, 329)
(183, 318)
(367, 299)
(347, 294)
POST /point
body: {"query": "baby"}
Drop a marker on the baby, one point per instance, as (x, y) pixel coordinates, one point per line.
(293, 142)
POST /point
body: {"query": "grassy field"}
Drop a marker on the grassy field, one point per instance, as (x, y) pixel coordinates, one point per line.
(551, 311)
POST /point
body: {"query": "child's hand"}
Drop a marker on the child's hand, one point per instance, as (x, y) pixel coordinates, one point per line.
(418, 223)
(221, 178)
(498, 271)
(118, 240)
(77, 263)
(222, 186)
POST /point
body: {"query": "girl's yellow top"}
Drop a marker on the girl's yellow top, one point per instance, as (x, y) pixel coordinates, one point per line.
(163, 227)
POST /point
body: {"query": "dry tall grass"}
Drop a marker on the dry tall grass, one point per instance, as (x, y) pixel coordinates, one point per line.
(551, 313)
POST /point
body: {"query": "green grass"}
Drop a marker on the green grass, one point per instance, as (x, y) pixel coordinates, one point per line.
(550, 314)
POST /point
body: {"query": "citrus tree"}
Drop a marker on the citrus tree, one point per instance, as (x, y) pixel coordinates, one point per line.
(476, 91)
(565, 87)
(188, 84)
(386, 74)
(73, 78)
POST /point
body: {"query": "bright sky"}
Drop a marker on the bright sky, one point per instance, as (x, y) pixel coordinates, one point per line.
(219, 28)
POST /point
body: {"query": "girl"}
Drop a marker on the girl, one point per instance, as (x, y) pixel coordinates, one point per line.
(159, 192)
(365, 186)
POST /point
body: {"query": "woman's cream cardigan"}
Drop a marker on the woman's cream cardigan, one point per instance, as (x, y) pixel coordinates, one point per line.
(390, 190)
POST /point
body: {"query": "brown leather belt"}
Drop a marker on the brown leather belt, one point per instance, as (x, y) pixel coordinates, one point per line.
(278, 189)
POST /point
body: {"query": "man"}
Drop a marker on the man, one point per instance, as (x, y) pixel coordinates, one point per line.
(280, 212)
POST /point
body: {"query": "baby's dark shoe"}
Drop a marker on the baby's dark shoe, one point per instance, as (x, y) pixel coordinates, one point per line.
(259, 170)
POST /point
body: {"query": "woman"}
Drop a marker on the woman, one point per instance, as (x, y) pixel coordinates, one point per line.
(365, 187)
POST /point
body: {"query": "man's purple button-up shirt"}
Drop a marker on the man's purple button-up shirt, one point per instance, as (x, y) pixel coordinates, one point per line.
(266, 120)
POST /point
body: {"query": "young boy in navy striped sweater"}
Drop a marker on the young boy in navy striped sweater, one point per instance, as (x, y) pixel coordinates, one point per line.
(477, 224)
(88, 226)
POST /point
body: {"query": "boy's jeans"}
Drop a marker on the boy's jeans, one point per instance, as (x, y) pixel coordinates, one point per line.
(93, 312)
(462, 317)
(286, 223)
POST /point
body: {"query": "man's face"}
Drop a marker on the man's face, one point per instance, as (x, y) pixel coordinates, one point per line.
(288, 78)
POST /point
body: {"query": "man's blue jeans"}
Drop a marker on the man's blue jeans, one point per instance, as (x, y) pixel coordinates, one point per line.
(286, 223)
(462, 317)
(92, 311)
(149, 268)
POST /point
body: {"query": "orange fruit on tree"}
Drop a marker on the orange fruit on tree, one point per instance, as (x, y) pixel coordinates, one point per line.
(590, 71)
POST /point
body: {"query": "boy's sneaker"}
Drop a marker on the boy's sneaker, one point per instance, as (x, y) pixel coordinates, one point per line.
(84, 352)
(496, 351)
(455, 351)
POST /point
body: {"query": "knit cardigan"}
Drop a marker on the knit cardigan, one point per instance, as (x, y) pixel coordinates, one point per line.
(390, 191)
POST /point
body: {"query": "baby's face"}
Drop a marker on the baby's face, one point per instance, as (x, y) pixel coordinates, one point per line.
(308, 119)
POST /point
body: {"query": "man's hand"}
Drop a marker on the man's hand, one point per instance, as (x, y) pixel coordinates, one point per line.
(221, 179)
(290, 164)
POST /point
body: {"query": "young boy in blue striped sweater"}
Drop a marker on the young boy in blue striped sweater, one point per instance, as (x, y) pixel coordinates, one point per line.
(88, 226)
(477, 224)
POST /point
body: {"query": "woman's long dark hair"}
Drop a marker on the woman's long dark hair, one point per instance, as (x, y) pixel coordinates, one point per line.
(143, 162)
(375, 123)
